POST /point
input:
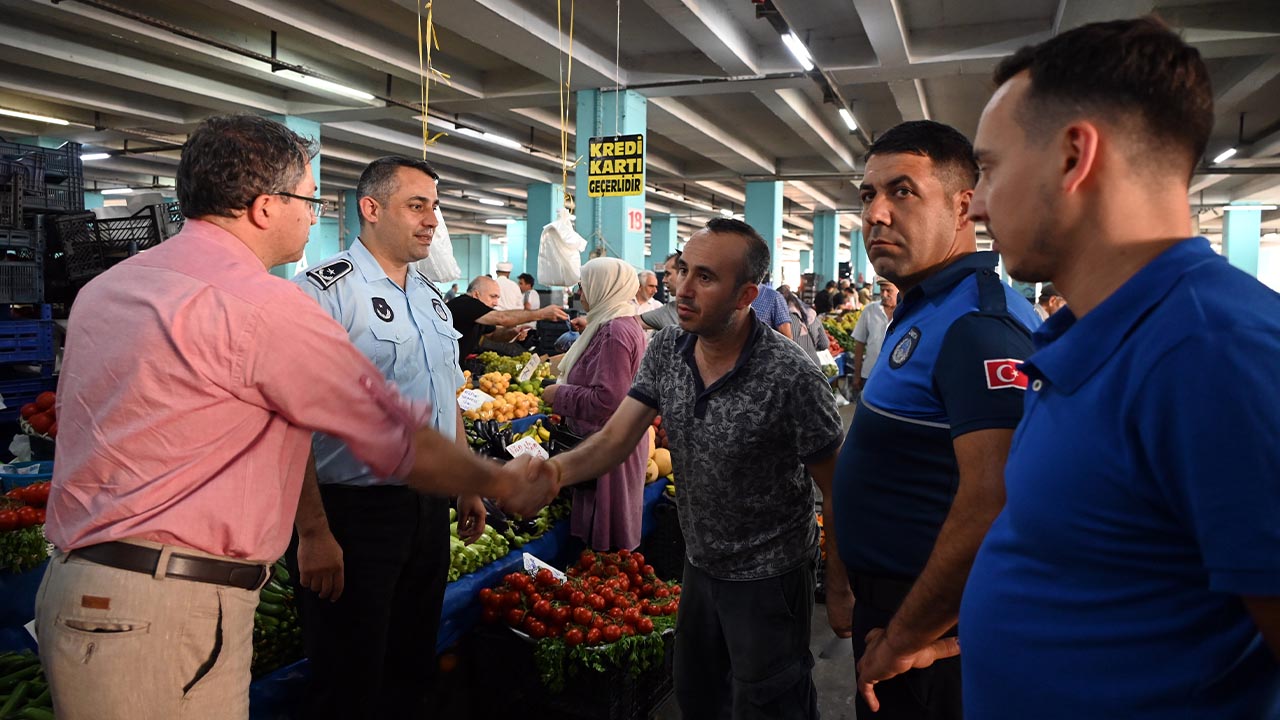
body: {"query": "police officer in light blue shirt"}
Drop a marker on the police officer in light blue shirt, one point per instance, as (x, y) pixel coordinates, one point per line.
(372, 554)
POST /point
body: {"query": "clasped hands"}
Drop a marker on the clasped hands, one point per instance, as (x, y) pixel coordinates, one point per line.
(528, 484)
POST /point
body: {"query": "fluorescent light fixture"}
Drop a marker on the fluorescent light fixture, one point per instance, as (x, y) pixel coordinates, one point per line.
(472, 133)
(1225, 155)
(725, 212)
(798, 49)
(326, 85)
(1229, 208)
(497, 221)
(88, 157)
(848, 119)
(37, 118)
(492, 202)
(116, 191)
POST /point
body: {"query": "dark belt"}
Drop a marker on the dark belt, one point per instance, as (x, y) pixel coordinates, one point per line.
(126, 556)
(880, 593)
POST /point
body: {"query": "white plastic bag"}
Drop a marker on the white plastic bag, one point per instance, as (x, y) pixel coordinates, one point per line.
(560, 252)
(440, 266)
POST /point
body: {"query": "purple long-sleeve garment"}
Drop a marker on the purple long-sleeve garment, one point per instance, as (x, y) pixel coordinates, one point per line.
(608, 517)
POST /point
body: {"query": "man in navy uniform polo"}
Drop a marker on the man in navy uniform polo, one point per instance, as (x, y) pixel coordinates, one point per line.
(919, 479)
(1135, 570)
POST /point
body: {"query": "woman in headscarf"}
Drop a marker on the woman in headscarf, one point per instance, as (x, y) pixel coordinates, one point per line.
(596, 374)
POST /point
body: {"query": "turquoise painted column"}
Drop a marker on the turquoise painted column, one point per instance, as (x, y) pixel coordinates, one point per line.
(615, 223)
(517, 239)
(806, 260)
(93, 200)
(317, 247)
(764, 213)
(662, 238)
(478, 259)
(350, 216)
(858, 256)
(1241, 236)
(462, 256)
(544, 200)
(825, 245)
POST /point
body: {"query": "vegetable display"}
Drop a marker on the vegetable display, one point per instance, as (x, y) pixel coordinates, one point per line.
(22, 542)
(277, 637)
(24, 692)
(501, 535)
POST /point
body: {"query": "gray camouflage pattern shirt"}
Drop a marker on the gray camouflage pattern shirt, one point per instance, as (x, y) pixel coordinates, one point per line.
(739, 448)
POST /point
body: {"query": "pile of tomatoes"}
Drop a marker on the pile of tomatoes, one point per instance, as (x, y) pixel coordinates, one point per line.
(24, 507)
(606, 597)
(42, 415)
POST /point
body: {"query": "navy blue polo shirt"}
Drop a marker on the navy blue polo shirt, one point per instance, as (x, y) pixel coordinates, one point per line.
(948, 367)
(1143, 502)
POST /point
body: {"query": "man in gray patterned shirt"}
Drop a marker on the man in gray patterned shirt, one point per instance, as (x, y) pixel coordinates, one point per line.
(749, 418)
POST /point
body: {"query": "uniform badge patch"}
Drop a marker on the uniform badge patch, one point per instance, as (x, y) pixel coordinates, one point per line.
(1004, 374)
(325, 276)
(903, 350)
(439, 307)
(383, 310)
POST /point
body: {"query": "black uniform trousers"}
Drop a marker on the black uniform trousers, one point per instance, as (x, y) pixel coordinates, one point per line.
(373, 651)
(931, 693)
(742, 647)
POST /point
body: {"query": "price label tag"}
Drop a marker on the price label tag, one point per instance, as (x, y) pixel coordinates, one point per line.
(527, 446)
(28, 470)
(529, 368)
(532, 565)
(825, 358)
(473, 399)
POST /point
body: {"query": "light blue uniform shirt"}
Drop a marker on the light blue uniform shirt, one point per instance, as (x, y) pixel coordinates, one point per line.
(407, 333)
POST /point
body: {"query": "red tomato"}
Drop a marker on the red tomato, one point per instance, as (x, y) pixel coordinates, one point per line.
(638, 558)
(587, 559)
(611, 633)
(662, 593)
(644, 626)
(510, 599)
(598, 622)
(577, 598)
(560, 616)
(542, 609)
(631, 616)
(490, 616)
(515, 616)
(582, 615)
(535, 628)
(616, 613)
(40, 516)
(489, 599)
(628, 630)
(563, 592)
(8, 520)
(545, 578)
(28, 410)
(675, 589)
(593, 636)
(647, 570)
(596, 602)
(573, 637)
(27, 516)
(624, 553)
(554, 631)
(622, 601)
(45, 400)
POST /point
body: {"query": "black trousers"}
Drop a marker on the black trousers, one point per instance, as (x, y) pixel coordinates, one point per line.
(373, 651)
(931, 693)
(742, 647)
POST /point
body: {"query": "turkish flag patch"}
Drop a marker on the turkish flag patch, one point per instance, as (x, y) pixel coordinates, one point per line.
(1004, 374)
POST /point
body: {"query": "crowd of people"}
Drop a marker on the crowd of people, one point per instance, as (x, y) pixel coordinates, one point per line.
(1027, 518)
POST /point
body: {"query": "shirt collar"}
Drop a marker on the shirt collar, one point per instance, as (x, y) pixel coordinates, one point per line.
(215, 233)
(944, 280)
(1068, 362)
(366, 263)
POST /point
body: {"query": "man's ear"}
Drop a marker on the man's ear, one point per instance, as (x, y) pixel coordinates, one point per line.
(1078, 144)
(963, 200)
(261, 211)
(748, 295)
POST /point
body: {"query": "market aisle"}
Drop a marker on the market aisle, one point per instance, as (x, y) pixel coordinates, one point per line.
(833, 676)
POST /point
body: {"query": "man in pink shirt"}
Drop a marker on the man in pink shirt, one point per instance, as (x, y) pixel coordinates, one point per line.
(192, 382)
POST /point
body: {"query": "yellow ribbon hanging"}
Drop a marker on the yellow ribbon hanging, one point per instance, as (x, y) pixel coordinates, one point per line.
(427, 40)
(566, 81)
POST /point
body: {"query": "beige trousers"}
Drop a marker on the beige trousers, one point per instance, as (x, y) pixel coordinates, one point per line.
(121, 644)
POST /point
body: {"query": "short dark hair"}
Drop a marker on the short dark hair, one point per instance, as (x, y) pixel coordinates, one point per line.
(378, 180)
(230, 160)
(756, 264)
(948, 148)
(1122, 70)
(673, 256)
(525, 278)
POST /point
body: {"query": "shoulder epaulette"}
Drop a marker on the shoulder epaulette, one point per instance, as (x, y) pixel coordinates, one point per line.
(326, 275)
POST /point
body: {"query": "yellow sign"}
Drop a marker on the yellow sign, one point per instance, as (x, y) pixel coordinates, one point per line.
(615, 166)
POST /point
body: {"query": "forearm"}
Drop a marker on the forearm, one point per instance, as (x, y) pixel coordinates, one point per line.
(446, 467)
(607, 448)
(508, 318)
(859, 352)
(311, 518)
(785, 329)
(824, 476)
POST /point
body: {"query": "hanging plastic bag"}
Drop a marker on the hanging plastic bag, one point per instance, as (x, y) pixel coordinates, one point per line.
(560, 252)
(440, 266)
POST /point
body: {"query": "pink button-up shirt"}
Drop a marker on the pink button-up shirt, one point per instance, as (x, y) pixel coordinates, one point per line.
(191, 383)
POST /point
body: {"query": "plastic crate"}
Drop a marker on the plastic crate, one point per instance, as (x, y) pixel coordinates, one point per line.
(59, 163)
(29, 165)
(11, 202)
(65, 195)
(22, 282)
(17, 479)
(19, 391)
(13, 239)
(90, 245)
(26, 340)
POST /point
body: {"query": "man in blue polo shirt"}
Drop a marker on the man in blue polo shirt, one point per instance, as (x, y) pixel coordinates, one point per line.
(1135, 570)
(919, 478)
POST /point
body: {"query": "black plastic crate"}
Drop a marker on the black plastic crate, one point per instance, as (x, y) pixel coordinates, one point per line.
(30, 166)
(12, 239)
(89, 245)
(21, 281)
(66, 195)
(11, 202)
(60, 162)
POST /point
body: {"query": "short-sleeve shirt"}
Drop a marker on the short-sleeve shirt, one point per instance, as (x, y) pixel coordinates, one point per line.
(664, 317)
(949, 368)
(771, 307)
(466, 310)
(407, 333)
(510, 296)
(870, 330)
(532, 300)
(739, 448)
(1143, 501)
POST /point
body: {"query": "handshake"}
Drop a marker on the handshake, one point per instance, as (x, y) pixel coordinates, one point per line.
(527, 484)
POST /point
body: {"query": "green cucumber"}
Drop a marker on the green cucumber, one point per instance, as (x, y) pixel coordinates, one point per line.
(15, 699)
(275, 610)
(35, 713)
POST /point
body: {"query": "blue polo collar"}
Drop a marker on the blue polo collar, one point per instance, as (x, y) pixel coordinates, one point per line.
(1068, 362)
(943, 281)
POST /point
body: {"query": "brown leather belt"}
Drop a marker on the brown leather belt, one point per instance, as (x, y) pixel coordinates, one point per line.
(126, 556)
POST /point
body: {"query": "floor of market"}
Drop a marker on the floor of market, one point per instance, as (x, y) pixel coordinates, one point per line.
(833, 661)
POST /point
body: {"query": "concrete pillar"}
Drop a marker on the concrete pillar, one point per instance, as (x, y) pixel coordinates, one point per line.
(806, 261)
(472, 253)
(319, 246)
(614, 223)
(350, 219)
(662, 238)
(93, 200)
(1242, 236)
(517, 237)
(764, 213)
(544, 201)
(825, 245)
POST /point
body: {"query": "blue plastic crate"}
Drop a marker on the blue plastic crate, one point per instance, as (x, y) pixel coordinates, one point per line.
(25, 340)
(20, 391)
(11, 480)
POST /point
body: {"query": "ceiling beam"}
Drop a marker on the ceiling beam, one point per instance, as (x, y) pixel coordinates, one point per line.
(703, 125)
(823, 199)
(369, 134)
(794, 108)
(1230, 97)
(35, 83)
(711, 28)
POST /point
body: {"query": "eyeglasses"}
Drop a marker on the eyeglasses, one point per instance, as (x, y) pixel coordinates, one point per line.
(318, 206)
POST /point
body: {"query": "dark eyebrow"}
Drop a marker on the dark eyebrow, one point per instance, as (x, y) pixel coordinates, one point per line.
(419, 198)
(899, 180)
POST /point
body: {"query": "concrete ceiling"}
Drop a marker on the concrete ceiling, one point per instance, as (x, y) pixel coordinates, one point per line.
(727, 102)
